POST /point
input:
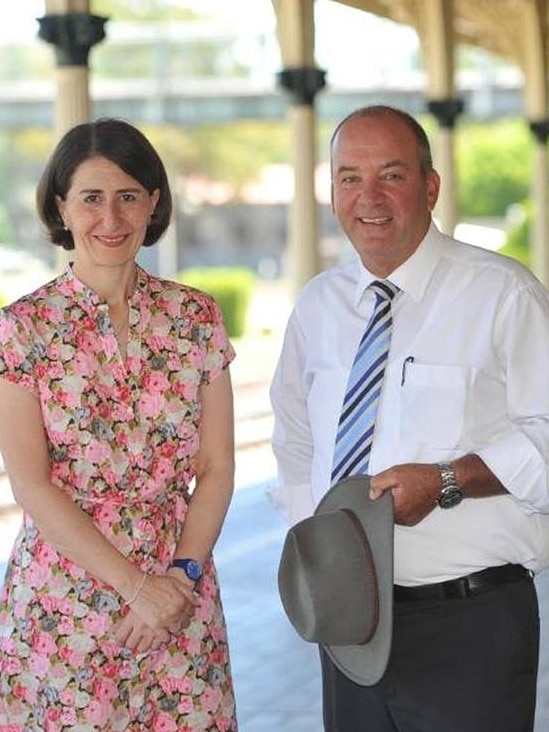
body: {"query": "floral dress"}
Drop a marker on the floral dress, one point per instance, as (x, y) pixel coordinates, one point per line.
(122, 436)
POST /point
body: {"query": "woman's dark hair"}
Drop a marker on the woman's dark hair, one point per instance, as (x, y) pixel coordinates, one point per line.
(122, 144)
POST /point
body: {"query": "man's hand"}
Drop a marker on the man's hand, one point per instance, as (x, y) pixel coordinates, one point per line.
(415, 488)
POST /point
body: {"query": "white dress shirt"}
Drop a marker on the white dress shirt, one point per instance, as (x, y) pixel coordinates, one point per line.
(468, 372)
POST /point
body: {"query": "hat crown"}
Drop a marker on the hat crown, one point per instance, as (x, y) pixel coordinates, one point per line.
(336, 578)
(331, 572)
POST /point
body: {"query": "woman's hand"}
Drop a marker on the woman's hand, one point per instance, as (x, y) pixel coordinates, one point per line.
(164, 606)
(131, 632)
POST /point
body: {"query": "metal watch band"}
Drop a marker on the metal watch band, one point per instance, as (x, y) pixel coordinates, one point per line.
(451, 493)
(448, 475)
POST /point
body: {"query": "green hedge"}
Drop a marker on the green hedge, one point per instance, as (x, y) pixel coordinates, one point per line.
(232, 289)
(517, 244)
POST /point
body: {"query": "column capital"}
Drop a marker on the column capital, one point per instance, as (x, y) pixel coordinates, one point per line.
(540, 130)
(73, 35)
(446, 110)
(302, 83)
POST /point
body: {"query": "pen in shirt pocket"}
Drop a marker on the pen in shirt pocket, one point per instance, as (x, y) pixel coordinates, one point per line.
(407, 360)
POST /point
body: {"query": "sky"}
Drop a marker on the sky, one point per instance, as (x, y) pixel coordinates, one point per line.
(368, 49)
(22, 23)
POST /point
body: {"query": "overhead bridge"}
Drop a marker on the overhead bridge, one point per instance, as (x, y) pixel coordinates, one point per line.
(195, 102)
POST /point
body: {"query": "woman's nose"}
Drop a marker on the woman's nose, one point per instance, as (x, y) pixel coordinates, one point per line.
(111, 212)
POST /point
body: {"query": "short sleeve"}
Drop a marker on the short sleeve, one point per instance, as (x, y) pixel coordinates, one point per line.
(18, 352)
(219, 350)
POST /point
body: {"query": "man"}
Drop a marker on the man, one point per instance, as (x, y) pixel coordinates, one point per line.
(461, 439)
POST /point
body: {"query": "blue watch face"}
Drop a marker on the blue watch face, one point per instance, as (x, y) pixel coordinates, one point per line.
(193, 570)
(191, 567)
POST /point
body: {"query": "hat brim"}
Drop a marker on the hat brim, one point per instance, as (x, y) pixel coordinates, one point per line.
(365, 664)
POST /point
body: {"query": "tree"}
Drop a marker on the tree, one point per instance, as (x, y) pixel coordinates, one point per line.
(145, 10)
(494, 164)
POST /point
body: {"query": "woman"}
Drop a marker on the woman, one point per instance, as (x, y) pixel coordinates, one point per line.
(116, 429)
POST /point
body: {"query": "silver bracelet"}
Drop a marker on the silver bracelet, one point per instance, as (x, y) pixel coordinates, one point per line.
(138, 591)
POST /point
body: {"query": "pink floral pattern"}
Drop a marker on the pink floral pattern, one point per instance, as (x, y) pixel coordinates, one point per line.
(123, 435)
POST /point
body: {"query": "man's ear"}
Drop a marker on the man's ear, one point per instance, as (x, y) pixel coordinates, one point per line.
(433, 188)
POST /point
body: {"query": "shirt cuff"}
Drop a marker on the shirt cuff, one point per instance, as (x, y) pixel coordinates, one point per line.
(520, 468)
(295, 502)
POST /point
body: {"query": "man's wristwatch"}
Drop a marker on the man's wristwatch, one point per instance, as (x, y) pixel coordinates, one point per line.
(451, 493)
(193, 569)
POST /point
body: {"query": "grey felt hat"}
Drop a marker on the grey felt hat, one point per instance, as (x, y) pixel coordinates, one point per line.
(336, 578)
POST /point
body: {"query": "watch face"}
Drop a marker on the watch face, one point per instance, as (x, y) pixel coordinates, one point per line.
(191, 567)
(450, 497)
(193, 570)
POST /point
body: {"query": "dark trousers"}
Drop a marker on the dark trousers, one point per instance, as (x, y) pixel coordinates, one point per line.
(460, 665)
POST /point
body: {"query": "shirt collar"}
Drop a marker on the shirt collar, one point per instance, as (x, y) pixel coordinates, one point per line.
(413, 275)
(88, 297)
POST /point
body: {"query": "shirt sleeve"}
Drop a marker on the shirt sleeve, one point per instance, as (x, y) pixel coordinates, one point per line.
(292, 440)
(519, 458)
(18, 353)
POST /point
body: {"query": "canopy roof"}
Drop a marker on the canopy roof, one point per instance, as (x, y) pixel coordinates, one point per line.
(499, 26)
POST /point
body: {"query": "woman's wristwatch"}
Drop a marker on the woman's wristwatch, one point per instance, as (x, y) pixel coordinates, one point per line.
(192, 568)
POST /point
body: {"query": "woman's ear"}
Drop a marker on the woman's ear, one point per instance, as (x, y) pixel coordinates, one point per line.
(155, 197)
(60, 208)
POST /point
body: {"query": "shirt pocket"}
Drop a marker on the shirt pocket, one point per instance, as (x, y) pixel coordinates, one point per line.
(434, 404)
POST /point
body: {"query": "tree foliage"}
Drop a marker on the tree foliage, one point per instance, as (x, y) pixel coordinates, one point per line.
(236, 153)
(494, 166)
(143, 10)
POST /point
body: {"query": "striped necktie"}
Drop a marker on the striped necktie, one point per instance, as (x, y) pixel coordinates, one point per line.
(356, 424)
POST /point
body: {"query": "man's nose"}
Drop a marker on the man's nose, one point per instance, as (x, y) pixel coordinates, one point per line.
(370, 189)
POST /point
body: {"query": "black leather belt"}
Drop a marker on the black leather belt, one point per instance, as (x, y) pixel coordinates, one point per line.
(462, 587)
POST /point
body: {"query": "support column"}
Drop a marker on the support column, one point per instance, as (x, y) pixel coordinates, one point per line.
(302, 81)
(446, 112)
(539, 235)
(435, 25)
(73, 31)
(534, 59)
(302, 84)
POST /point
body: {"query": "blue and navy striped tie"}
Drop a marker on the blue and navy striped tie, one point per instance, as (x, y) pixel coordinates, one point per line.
(355, 431)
